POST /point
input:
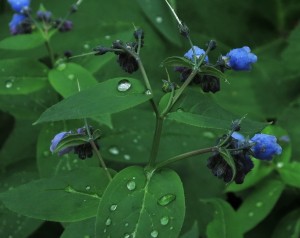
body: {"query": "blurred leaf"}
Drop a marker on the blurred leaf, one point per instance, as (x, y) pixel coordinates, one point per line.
(224, 223)
(155, 202)
(22, 42)
(94, 101)
(161, 18)
(84, 229)
(289, 173)
(66, 79)
(259, 203)
(192, 233)
(73, 196)
(176, 61)
(21, 76)
(209, 70)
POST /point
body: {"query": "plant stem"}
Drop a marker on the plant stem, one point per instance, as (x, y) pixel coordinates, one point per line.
(50, 52)
(156, 140)
(186, 155)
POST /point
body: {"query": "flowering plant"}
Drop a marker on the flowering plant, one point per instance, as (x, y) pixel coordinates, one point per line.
(112, 145)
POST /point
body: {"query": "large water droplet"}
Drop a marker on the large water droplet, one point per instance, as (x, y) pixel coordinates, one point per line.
(114, 150)
(108, 222)
(159, 20)
(61, 67)
(113, 207)
(124, 85)
(127, 157)
(164, 220)
(154, 233)
(259, 204)
(131, 185)
(8, 83)
(166, 199)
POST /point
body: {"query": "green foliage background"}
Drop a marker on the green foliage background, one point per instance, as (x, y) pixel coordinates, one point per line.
(270, 92)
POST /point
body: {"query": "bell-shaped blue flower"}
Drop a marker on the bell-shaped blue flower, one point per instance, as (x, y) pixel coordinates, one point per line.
(56, 141)
(18, 5)
(14, 25)
(265, 146)
(198, 52)
(240, 59)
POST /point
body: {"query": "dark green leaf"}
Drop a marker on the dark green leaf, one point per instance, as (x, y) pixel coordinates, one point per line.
(142, 204)
(66, 79)
(209, 70)
(102, 99)
(289, 173)
(22, 42)
(176, 61)
(84, 229)
(193, 232)
(72, 196)
(21, 76)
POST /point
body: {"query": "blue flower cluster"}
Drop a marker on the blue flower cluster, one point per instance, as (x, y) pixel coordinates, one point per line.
(198, 53)
(240, 59)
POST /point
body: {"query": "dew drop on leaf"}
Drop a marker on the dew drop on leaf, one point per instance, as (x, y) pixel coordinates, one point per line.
(148, 92)
(86, 46)
(71, 76)
(126, 224)
(87, 187)
(61, 67)
(131, 185)
(8, 83)
(126, 235)
(127, 157)
(107, 37)
(259, 204)
(250, 214)
(154, 233)
(124, 85)
(113, 207)
(108, 222)
(164, 220)
(166, 199)
(114, 150)
(159, 19)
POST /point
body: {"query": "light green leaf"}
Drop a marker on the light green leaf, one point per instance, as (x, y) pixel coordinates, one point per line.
(102, 99)
(66, 79)
(22, 42)
(21, 76)
(142, 204)
(289, 173)
(68, 197)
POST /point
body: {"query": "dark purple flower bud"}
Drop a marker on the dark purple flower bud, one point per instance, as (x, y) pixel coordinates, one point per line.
(127, 62)
(18, 5)
(20, 24)
(44, 15)
(210, 83)
(68, 53)
(63, 26)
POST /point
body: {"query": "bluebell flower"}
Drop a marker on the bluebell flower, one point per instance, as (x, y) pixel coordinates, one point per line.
(58, 139)
(18, 5)
(265, 146)
(240, 59)
(198, 52)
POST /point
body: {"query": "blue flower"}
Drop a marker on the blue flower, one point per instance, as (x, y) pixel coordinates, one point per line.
(198, 51)
(265, 146)
(238, 136)
(240, 59)
(58, 139)
(18, 5)
(15, 23)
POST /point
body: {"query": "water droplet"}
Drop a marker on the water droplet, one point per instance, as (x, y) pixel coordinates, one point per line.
(127, 157)
(124, 85)
(279, 165)
(171, 228)
(135, 141)
(148, 92)
(159, 20)
(113, 207)
(114, 150)
(209, 135)
(108, 222)
(8, 83)
(71, 76)
(164, 220)
(126, 224)
(107, 37)
(154, 233)
(61, 67)
(126, 235)
(250, 214)
(46, 153)
(166, 199)
(259, 204)
(131, 185)
(86, 46)
(88, 187)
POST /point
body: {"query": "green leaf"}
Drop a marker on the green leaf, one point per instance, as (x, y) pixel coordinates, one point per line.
(22, 42)
(175, 61)
(289, 173)
(21, 76)
(142, 204)
(193, 232)
(102, 99)
(68, 197)
(66, 78)
(289, 225)
(259, 203)
(209, 70)
(224, 223)
(161, 18)
(84, 229)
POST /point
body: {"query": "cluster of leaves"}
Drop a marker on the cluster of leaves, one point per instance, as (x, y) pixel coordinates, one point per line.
(40, 186)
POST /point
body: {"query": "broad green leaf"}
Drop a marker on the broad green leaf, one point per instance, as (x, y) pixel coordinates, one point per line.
(162, 19)
(22, 42)
(21, 76)
(224, 224)
(176, 61)
(142, 204)
(288, 226)
(289, 173)
(106, 97)
(84, 229)
(66, 78)
(193, 232)
(209, 70)
(259, 203)
(68, 197)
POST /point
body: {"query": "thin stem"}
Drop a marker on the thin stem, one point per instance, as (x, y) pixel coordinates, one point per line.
(156, 140)
(192, 47)
(81, 55)
(185, 155)
(50, 52)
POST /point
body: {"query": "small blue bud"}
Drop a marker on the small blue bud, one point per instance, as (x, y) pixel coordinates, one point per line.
(14, 25)
(44, 15)
(58, 139)
(18, 5)
(265, 146)
(238, 136)
(198, 52)
(240, 59)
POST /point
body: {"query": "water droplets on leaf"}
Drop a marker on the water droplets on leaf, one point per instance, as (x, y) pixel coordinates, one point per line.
(250, 214)
(126, 224)
(154, 233)
(164, 220)
(127, 235)
(159, 19)
(131, 185)
(279, 165)
(114, 150)
(9, 83)
(166, 199)
(87, 187)
(61, 67)
(107, 37)
(113, 207)
(127, 157)
(148, 92)
(209, 135)
(108, 222)
(86, 46)
(71, 76)
(124, 85)
(259, 204)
